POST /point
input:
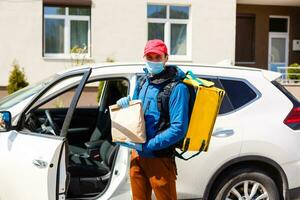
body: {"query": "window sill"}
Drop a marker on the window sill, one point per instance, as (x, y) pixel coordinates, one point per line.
(67, 58)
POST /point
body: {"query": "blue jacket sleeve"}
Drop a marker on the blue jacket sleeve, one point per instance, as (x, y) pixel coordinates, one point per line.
(178, 109)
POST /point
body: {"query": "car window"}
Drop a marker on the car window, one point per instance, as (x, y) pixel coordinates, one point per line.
(239, 92)
(88, 97)
(114, 90)
(23, 94)
(91, 94)
(226, 105)
(64, 99)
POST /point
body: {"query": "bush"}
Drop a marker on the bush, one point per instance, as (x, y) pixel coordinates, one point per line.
(292, 73)
(17, 79)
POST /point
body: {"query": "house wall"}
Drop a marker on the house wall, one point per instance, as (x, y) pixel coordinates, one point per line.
(262, 14)
(3, 92)
(118, 32)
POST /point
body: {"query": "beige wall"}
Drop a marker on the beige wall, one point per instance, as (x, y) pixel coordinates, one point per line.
(118, 31)
(213, 34)
(3, 92)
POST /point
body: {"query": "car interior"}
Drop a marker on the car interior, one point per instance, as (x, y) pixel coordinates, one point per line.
(91, 150)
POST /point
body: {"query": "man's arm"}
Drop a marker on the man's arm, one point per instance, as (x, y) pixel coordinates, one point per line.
(178, 109)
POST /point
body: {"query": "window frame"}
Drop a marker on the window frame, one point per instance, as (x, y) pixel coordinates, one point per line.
(251, 86)
(219, 78)
(167, 31)
(67, 34)
(280, 17)
(225, 98)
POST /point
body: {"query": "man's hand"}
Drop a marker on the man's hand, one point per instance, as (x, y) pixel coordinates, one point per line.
(124, 102)
(131, 145)
(2, 124)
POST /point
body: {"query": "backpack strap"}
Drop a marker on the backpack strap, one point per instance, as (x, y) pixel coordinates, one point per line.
(141, 81)
(163, 99)
(180, 154)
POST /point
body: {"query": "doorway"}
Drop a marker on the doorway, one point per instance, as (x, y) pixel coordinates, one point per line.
(278, 43)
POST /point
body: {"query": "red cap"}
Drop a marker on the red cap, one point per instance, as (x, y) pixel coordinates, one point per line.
(155, 46)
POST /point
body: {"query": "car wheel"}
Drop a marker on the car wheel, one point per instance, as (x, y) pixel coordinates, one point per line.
(246, 184)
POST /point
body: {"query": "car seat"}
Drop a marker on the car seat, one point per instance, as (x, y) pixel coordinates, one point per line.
(91, 177)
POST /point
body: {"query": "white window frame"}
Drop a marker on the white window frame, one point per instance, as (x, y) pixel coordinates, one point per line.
(167, 31)
(67, 35)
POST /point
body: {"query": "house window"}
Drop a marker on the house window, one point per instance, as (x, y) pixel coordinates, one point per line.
(66, 28)
(170, 24)
(245, 39)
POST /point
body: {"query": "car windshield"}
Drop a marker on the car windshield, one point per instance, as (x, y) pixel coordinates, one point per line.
(24, 93)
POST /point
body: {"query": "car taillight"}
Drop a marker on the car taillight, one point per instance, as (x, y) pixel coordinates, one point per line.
(293, 119)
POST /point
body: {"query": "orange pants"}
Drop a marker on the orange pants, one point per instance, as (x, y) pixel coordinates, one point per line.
(157, 174)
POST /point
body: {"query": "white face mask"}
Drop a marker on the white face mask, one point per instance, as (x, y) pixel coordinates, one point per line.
(154, 67)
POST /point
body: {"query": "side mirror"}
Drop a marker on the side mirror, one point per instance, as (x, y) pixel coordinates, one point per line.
(5, 121)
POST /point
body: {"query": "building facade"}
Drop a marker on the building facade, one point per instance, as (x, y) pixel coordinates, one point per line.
(47, 36)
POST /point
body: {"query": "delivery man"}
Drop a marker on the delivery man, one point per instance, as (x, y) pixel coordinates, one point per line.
(152, 165)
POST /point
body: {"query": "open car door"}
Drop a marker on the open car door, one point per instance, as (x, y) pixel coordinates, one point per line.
(33, 165)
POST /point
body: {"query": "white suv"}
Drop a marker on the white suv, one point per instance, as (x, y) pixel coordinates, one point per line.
(58, 143)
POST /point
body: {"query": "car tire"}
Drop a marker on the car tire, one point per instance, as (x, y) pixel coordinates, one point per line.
(258, 184)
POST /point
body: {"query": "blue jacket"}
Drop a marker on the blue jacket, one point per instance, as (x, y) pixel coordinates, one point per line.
(178, 111)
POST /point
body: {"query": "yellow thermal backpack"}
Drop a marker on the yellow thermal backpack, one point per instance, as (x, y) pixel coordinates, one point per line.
(206, 105)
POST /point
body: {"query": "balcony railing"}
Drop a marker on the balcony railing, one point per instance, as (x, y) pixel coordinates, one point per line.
(289, 78)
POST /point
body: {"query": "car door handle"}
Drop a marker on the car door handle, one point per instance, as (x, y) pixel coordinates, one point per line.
(39, 163)
(223, 133)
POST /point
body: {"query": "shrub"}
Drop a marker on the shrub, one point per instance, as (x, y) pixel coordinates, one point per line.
(17, 79)
(293, 73)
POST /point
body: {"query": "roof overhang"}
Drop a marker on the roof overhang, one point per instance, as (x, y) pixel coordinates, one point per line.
(271, 2)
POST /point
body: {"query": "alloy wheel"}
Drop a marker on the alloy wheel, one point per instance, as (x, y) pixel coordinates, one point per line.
(248, 190)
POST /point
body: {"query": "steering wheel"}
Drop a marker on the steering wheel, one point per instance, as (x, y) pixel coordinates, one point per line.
(52, 123)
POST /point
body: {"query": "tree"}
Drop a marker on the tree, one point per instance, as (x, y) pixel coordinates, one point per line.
(17, 79)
